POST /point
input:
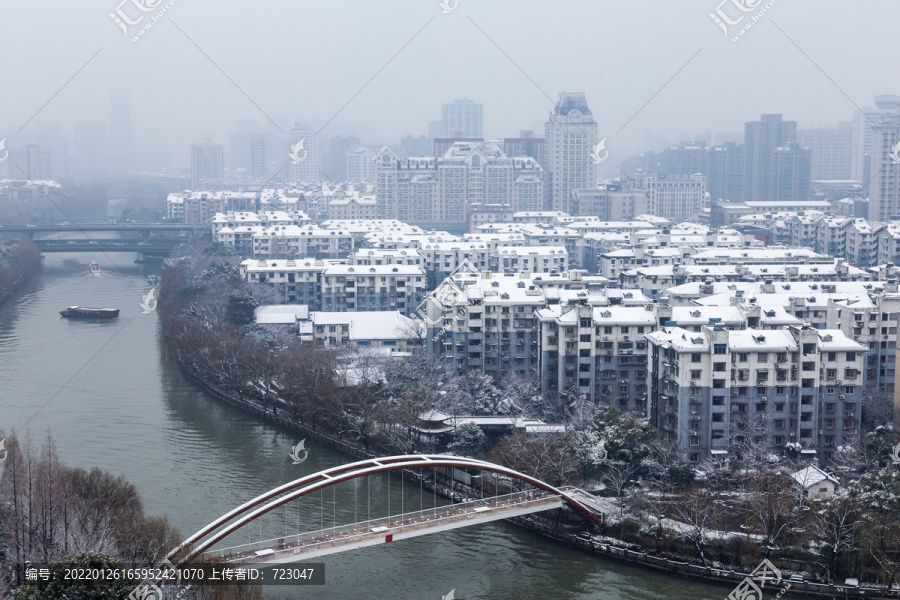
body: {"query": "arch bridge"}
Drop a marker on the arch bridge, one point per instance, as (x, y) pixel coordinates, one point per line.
(539, 497)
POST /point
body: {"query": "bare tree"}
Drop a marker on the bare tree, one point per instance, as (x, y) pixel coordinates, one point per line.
(699, 514)
(835, 528)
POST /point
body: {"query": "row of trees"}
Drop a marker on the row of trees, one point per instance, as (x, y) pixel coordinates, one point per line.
(17, 264)
(49, 510)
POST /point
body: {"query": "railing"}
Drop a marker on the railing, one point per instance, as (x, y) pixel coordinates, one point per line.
(332, 537)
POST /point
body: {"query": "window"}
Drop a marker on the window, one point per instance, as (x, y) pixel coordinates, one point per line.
(851, 356)
(719, 367)
(743, 357)
(720, 348)
(696, 373)
(695, 358)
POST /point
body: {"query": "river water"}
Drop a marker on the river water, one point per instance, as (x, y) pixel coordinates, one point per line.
(111, 400)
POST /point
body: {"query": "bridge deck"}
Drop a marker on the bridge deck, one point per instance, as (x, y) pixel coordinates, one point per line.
(388, 529)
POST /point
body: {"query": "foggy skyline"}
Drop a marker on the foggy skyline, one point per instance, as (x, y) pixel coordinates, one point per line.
(310, 62)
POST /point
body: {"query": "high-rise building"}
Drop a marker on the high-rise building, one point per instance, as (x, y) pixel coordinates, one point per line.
(725, 177)
(761, 140)
(464, 116)
(54, 147)
(686, 158)
(674, 197)
(865, 123)
(121, 134)
(207, 163)
(611, 202)
(884, 173)
(259, 146)
(30, 161)
(251, 150)
(792, 179)
(831, 151)
(416, 146)
(358, 164)
(420, 189)
(336, 165)
(525, 145)
(91, 152)
(570, 135)
(442, 145)
(304, 165)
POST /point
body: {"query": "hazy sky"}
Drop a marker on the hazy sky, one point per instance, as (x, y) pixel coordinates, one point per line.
(304, 59)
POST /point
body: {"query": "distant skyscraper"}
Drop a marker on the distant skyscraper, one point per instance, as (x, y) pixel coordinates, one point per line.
(864, 122)
(465, 116)
(676, 197)
(884, 173)
(259, 155)
(435, 129)
(336, 165)
(251, 150)
(207, 162)
(570, 136)
(725, 179)
(761, 139)
(31, 162)
(442, 145)
(525, 145)
(416, 146)
(121, 134)
(687, 158)
(304, 165)
(792, 180)
(358, 164)
(831, 150)
(54, 146)
(91, 152)
(440, 190)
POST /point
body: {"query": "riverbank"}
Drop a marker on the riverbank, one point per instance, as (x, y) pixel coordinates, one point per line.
(18, 264)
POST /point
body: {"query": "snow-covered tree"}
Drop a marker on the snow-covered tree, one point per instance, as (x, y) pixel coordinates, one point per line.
(626, 437)
(468, 440)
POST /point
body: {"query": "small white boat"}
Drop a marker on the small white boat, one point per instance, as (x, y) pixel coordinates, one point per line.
(95, 268)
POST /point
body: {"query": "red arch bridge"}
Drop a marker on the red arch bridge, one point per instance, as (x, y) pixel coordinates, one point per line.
(533, 496)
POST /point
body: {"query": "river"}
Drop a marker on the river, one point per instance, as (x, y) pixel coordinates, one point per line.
(111, 400)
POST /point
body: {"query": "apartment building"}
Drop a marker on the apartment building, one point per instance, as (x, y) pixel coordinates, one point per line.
(387, 257)
(711, 391)
(600, 351)
(347, 288)
(532, 259)
(294, 281)
(290, 240)
(488, 325)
